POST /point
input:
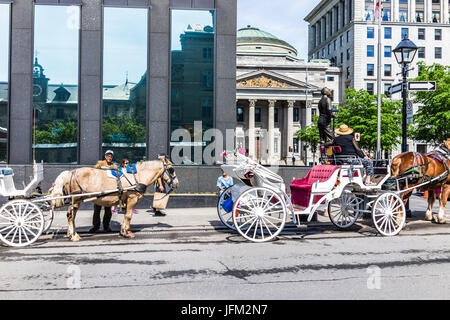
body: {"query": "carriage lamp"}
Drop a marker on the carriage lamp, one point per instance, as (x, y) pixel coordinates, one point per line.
(405, 53)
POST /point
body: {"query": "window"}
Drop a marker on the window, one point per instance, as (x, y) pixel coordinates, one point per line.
(257, 114)
(192, 79)
(329, 49)
(330, 79)
(388, 33)
(275, 115)
(421, 52)
(419, 16)
(436, 17)
(348, 54)
(387, 51)
(57, 87)
(403, 15)
(369, 14)
(370, 32)
(341, 41)
(386, 88)
(438, 53)
(404, 33)
(296, 114)
(348, 72)
(370, 69)
(421, 34)
(342, 58)
(240, 114)
(386, 14)
(334, 45)
(125, 82)
(348, 36)
(419, 1)
(387, 70)
(437, 34)
(370, 50)
(436, 1)
(4, 62)
(370, 88)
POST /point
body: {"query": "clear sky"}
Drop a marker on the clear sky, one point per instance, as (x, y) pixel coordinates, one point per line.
(282, 18)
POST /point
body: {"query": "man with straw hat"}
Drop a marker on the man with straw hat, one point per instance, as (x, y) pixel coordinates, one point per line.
(346, 140)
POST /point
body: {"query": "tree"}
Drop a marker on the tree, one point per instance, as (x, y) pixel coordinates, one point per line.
(310, 136)
(432, 121)
(359, 111)
(57, 132)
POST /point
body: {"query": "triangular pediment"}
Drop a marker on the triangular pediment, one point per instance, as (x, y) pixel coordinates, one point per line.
(270, 79)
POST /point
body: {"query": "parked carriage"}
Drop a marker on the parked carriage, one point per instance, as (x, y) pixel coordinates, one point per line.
(257, 206)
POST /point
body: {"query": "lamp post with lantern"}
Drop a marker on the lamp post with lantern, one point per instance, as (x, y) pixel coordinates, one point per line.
(405, 53)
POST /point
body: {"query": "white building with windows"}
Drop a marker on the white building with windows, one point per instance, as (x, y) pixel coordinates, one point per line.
(276, 95)
(344, 31)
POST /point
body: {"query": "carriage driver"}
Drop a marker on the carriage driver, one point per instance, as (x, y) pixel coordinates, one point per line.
(103, 164)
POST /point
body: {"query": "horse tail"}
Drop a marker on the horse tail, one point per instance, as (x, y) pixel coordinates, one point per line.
(57, 189)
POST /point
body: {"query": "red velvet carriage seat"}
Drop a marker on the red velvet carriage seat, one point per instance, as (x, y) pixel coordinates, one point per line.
(301, 188)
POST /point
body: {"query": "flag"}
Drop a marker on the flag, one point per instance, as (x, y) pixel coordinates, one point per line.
(378, 9)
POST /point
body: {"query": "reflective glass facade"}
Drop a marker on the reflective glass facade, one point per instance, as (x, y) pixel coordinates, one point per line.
(124, 128)
(55, 84)
(192, 78)
(4, 79)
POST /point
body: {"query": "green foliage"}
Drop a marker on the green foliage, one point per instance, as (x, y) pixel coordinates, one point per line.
(123, 130)
(359, 111)
(310, 135)
(432, 121)
(57, 132)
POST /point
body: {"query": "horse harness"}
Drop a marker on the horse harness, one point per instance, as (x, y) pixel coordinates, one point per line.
(418, 169)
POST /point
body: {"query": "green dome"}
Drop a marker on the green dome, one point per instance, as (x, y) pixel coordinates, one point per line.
(250, 36)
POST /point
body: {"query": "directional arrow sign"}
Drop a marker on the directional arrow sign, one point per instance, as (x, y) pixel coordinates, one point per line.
(422, 85)
(395, 88)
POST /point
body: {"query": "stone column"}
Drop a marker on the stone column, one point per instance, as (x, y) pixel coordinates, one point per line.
(340, 15)
(271, 128)
(394, 11)
(445, 15)
(290, 132)
(412, 11)
(251, 128)
(428, 11)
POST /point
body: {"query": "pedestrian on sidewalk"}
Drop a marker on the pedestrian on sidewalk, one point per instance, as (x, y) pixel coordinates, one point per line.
(224, 182)
(103, 164)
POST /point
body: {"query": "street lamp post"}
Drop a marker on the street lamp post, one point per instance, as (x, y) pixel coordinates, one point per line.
(405, 53)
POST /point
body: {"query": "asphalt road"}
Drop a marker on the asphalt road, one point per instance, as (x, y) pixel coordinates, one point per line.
(189, 255)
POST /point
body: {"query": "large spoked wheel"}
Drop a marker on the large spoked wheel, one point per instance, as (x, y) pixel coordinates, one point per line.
(389, 214)
(344, 211)
(259, 214)
(224, 216)
(21, 223)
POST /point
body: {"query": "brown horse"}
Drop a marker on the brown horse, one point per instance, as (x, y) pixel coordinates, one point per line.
(420, 168)
(90, 180)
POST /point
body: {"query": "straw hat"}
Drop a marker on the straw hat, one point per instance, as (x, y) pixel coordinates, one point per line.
(344, 130)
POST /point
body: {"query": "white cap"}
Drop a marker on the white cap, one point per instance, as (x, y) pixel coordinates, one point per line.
(109, 151)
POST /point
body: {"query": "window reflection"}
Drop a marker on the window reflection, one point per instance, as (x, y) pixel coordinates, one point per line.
(4, 58)
(55, 84)
(125, 82)
(192, 74)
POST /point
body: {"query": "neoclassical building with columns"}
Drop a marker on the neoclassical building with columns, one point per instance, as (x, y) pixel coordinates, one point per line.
(277, 95)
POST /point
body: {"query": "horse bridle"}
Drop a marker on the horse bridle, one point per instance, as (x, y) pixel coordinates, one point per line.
(170, 172)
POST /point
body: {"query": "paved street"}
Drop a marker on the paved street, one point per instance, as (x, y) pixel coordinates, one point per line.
(189, 255)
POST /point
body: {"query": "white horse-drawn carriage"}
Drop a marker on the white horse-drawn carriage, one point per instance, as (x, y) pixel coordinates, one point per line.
(257, 206)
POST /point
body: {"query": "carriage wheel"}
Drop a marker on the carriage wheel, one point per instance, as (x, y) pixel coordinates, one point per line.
(389, 214)
(259, 214)
(21, 223)
(344, 211)
(225, 217)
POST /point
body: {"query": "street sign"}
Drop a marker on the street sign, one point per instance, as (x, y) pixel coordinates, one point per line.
(357, 136)
(422, 85)
(395, 88)
(409, 112)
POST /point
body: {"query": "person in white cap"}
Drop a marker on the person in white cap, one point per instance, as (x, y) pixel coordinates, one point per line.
(103, 164)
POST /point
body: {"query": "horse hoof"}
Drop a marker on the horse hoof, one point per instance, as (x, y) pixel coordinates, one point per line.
(429, 217)
(75, 238)
(128, 234)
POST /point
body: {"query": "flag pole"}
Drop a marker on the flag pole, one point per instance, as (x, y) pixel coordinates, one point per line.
(379, 85)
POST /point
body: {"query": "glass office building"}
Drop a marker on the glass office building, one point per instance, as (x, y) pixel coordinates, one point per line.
(85, 76)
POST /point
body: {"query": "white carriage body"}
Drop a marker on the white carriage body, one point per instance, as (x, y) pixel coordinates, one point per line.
(7, 186)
